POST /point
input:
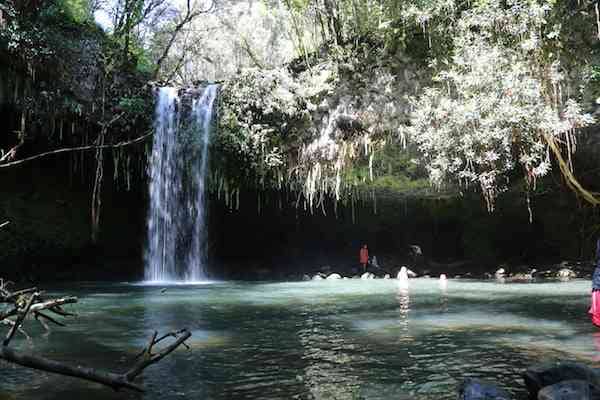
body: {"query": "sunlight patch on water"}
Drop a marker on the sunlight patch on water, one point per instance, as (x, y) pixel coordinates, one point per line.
(497, 321)
(586, 348)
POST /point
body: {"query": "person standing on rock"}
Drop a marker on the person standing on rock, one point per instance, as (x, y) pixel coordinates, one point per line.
(364, 257)
(595, 306)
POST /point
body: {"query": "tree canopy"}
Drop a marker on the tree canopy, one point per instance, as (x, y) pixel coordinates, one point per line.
(322, 97)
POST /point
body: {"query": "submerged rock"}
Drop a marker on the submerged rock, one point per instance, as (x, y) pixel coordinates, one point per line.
(475, 389)
(566, 390)
(539, 376)
(334, 277)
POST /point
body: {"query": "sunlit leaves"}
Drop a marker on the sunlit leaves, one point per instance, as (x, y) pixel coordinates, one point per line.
(496, 101)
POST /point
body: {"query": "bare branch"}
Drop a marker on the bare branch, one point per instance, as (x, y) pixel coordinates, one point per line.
(19, 321)
(189, 16)
(59, 311)
(38, 314)
(50, 304)
(144, 363)
(112, 380)
(80, 148)
(9, 298)
(28, 301)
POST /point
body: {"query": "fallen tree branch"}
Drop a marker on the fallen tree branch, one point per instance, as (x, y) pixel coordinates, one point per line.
(27, 302)
(112, 380)
(50, 304)
(20, 318)
(150, 359)
(2, 225)
(155, 341)
(13, 296)
(38, 314)
(72, 149)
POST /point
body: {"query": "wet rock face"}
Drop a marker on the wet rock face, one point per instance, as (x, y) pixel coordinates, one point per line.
(82, 71)
(545, 375)
(475, 389)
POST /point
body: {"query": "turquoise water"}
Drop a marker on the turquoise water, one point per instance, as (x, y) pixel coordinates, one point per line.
(347, 339)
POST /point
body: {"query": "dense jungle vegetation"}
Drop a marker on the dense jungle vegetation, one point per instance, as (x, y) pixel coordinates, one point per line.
(462, 109)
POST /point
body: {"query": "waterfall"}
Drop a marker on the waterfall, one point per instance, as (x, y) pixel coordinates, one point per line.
(177, 236)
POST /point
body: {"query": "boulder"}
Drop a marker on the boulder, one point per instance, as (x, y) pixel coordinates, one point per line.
(475, 389)
(539, 376)
(566, 390)
(566, 273)
(367, 275)
(386, 276)
(317, 278)
(522, 276)
(333, 277)
(305, 277)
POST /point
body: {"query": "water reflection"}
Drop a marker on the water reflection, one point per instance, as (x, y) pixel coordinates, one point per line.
(403, 298)
(596, 341)
(443, 283)
(330, 360)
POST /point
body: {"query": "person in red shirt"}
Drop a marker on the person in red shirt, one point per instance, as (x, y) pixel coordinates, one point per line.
(364, 257)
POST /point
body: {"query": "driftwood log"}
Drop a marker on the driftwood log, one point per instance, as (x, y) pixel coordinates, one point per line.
(17, 307)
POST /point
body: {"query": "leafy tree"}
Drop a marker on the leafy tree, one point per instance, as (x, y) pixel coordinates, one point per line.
(499, 101)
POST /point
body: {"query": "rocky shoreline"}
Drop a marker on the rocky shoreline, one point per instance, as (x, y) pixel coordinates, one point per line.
(503, 273)
(547, 381)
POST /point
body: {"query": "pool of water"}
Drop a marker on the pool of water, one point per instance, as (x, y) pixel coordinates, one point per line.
(347, 339)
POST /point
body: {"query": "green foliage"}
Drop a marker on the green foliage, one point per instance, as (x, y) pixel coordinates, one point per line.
(78, 10)
(60, 72)
(133, 105)
(67, 12)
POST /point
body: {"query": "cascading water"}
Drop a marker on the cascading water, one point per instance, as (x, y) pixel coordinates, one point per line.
(176, 249)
